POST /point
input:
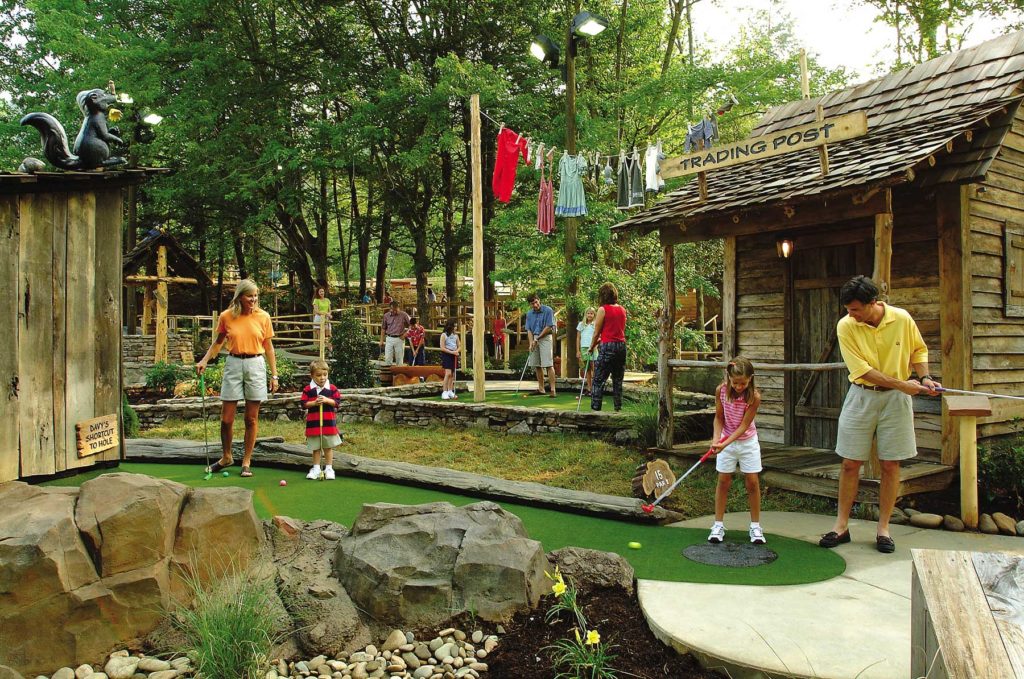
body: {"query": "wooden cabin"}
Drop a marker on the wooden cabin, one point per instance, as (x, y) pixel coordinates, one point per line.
(929, 202)
(60, 283)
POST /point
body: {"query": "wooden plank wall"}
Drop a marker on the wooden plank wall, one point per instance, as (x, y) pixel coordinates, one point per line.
(107, 310)
(998, 339)
(10, 236)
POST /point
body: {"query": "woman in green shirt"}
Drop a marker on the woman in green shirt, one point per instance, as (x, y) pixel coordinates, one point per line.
(321, 313)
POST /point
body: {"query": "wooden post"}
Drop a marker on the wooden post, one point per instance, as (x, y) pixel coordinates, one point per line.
(479, 314)
(323, 335)
(161, 304)
(805, 84)
(968, 409)
(881, 275)
(823, 149)
(564, 364)
(729, 274)
(148, 308)
(955, 312)
(462, 343)
(504, 353)
(666, 326)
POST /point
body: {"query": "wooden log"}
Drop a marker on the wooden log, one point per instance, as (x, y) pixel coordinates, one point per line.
(956, 313)
(969, 470)
(782, 367)
(10, 237)
(479, 310)
(449, 480)
(666, 328)
(145, 280)
(160, 354)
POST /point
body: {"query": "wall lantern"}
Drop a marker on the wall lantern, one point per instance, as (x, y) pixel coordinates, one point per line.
(784, 248)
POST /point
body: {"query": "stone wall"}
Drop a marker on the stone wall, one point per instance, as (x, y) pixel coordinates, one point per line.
(398, 405)
(137, 353)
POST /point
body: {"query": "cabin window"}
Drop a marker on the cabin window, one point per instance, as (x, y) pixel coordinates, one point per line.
(1013, 269)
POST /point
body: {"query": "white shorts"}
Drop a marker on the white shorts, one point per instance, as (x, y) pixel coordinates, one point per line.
(245, 379)
(544, 352)
(745, 451)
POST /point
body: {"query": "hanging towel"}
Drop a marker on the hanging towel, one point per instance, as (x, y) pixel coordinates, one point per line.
(622, 192)
(546, 201)
(652, 168)
(609, 174)
(571, 200)
(510, 147)
(539, 157)
(636, 182)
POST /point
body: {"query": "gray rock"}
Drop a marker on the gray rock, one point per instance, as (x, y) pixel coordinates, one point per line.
(411, 660)
(330, 535)
(282, 417)
(477, 637)
(522, 428)
(423, 672)
(1006, 524)
(423, 651)
(83, 671)
(590, 569)
(1020, 528)
(64, 673)
(8, 673)
(164, 674)
(394, 640)
(898, 517)
(987, 525)
(910, 511)
(925, 520)
(121, 667)
(626, 436)
(950, 522)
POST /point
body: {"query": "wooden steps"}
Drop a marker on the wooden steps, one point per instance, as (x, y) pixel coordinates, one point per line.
(815, 471)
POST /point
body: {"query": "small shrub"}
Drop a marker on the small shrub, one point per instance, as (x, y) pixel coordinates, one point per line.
(644, 418)
(213, 376)
(351, 352)
(229, 634)
(164, 376)
(129, 417)
(1001, 468)
(287, 372)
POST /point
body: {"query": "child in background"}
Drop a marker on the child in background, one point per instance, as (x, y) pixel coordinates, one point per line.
(499, 335)
(736, 403)
(449, 359)
(584, 338)
(320, 399)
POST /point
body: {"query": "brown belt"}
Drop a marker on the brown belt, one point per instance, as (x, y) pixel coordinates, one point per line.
(246, 355)
(872, 387)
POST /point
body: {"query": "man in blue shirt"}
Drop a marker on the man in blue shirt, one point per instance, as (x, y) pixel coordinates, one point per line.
(540, 328)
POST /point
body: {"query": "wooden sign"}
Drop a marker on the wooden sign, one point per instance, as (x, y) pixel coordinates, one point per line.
(658, 478)
(807, 136)
(97, 435)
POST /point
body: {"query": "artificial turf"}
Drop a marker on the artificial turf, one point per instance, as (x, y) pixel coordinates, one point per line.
(660, 557)
(528, 398)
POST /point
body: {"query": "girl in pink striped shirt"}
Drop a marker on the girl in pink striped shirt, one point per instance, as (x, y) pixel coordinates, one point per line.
(736, 403)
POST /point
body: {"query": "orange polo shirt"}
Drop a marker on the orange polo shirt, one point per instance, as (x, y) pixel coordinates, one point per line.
(246, 332)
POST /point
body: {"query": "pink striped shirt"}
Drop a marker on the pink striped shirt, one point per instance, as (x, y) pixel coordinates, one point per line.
(733, 411)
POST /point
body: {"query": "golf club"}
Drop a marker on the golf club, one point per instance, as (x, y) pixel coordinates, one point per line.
(648, 508)
(322, 439)
(206, 438)
(583, 383)
(526, 364)
(976, 393)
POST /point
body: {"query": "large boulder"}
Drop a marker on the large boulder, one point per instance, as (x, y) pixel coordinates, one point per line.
(422, 565)
(589, 569)
(90, 569)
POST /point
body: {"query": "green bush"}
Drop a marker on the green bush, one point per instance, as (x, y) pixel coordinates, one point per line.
(1001, 468)
(351, 352)
(288, 372)
(214, 375)
(165, 376)
(229, 634)
(129, 417)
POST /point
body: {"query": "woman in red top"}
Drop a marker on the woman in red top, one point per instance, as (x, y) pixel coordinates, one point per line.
(610, 336)
(499, 335)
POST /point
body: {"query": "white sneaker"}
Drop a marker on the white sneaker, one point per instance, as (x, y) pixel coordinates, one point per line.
(314, 473)
(445, 396)
(717, 534)
(329, 473)
(757, 536)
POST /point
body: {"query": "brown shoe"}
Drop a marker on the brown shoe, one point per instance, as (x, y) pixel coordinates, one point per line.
(885, 544)
(833, 539)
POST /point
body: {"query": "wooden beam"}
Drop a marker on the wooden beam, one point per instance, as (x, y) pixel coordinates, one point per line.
(149, 280)
(666, 328)
(770, 367)
(161, 305)
(479, 314)
(955, 312)
(729, 274)
(10, 237)
(819, 113)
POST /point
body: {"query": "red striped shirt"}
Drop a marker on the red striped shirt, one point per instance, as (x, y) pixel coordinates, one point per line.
(733, 411)
(330, 427)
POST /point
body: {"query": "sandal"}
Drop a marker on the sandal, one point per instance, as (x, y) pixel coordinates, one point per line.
(885, 544)
(217, 466)
(833, 539)
(246, 472)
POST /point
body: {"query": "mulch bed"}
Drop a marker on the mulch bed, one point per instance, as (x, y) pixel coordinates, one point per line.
(617, 616)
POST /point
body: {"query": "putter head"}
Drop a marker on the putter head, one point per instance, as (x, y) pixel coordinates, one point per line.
(208, 476)
(647, 508)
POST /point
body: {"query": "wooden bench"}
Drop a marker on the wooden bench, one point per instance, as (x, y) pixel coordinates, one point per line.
(963, 606)
(411, 374)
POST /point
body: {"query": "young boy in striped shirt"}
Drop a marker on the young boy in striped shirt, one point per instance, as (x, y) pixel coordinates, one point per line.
(320, 399)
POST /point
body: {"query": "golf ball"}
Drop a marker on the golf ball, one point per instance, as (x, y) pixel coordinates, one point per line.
(225, 473)
(283, 483)
(635, 545)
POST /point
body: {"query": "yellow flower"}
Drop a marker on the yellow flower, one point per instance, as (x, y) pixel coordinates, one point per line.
(593, 638)
(577, 631)
(558, 588)
(114, 115)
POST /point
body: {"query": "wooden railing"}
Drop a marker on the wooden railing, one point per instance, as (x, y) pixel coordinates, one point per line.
(711, 334)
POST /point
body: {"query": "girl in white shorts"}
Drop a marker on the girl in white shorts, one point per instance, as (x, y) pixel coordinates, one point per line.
(736, 403)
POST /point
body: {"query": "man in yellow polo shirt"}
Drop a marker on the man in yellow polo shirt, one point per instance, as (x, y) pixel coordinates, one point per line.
(880, 344)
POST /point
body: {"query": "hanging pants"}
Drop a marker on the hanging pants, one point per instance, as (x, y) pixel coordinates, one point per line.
(611, 361)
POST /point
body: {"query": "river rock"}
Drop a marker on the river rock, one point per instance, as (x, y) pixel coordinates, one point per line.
(423, 672)
(121, 667)
(910, 511)
(1006, 524)
(394, 641)
(64, 673)
(899, 517)
(8, 673)
(987, 525)
(83, 671)
(164, 674)
(922, 520)
(1020, 528)
(589, 569)
(411, 660)
(950, 522)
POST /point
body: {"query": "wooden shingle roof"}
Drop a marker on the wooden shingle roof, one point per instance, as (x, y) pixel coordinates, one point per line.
(179, 260)
(941, 121)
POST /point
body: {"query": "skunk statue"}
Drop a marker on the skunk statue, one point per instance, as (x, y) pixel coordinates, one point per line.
(92, 146)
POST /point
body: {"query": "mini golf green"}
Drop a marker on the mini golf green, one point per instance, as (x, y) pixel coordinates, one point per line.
(660, 557)
(528, 398)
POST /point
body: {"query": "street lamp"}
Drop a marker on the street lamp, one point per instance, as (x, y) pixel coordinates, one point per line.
(142, 133)
(584, 25)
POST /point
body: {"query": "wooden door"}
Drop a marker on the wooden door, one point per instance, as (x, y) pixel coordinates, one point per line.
(814, 399)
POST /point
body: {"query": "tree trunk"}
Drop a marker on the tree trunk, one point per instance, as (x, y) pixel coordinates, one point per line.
(239, 244)
(677, 13)
(382, 253)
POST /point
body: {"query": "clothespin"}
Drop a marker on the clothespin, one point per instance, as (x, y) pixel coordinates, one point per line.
(519, 138)
(501, 127)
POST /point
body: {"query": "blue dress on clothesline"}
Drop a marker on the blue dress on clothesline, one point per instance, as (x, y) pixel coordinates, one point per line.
(571, 200)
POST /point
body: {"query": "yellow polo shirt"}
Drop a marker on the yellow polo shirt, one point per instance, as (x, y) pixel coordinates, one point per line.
(891, 348)
(247, 332)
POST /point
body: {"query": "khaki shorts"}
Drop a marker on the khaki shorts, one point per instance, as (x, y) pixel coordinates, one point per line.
(245, 379)
(330, 441)
(887, 415)
(544, 352)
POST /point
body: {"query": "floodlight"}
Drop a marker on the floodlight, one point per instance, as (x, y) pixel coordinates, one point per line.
(587, 25)
(152, 119)
(544, 49)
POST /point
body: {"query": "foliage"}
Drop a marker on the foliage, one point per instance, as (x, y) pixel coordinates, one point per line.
(1001, 468)
(129, 418)
(228, 631)
(351, 352)
(165, 376)
(645, 418)
(214, 376)
(586, 657)
(288, 373)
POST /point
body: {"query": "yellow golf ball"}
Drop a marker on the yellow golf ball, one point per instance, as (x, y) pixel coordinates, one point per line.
(635, 545)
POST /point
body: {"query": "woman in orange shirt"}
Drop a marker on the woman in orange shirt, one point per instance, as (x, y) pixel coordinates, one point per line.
(248, 332)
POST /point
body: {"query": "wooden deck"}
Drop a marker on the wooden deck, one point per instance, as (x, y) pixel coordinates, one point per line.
(815, 471)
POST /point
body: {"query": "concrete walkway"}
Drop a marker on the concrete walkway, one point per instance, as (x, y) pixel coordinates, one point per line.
(854, 625)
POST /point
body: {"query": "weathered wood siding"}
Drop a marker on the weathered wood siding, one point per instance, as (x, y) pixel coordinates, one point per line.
(62, 269)
(998, 338)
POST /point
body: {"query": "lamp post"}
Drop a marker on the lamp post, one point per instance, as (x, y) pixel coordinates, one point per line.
(141, 133)
(583, 25)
